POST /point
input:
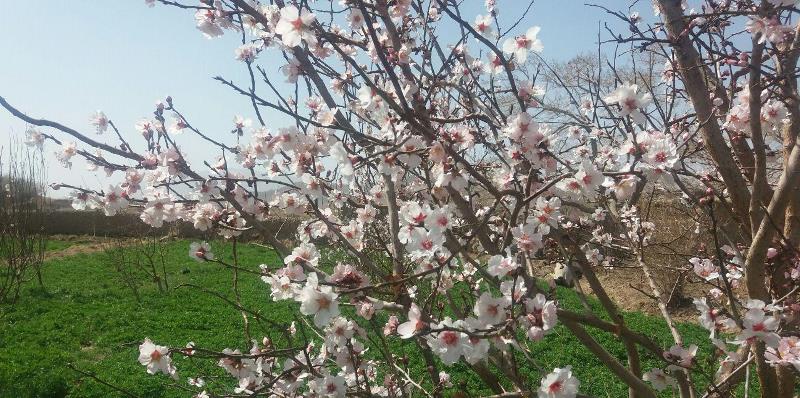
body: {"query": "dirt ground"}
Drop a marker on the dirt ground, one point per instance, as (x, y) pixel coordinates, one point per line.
(78, 245)
(622, 285)
(629, 289)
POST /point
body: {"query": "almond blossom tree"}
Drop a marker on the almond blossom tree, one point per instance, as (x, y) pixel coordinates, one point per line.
(443, 170)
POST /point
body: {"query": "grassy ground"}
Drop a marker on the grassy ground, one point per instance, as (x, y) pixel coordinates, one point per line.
(56, 245)
(85, 316)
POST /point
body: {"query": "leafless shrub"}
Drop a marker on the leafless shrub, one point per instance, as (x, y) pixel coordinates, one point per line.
(137, 260)
(22, 208)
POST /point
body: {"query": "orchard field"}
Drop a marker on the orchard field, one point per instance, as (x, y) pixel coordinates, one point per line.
(400, 199)
(88, 319)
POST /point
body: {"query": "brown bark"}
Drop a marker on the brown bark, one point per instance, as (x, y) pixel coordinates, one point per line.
(695, 81)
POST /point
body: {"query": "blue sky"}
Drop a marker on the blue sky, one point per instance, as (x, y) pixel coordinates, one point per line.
(62, 60)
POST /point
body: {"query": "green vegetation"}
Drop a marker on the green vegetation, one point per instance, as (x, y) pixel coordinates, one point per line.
(88, 317)
(56, 245)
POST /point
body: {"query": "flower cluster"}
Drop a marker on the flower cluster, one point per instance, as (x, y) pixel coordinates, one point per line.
(435, 183)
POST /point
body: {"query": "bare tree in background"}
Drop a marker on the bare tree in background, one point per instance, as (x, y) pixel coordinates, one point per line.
(22, 210)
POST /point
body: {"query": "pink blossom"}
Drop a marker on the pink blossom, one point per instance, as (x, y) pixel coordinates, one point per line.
(560, 383)
(295, 26)
(520, 45)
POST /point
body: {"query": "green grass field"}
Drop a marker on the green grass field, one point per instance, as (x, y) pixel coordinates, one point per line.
(85, 316)
(56, 245)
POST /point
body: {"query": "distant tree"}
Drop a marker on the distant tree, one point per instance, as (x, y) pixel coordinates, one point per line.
(22, 211)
